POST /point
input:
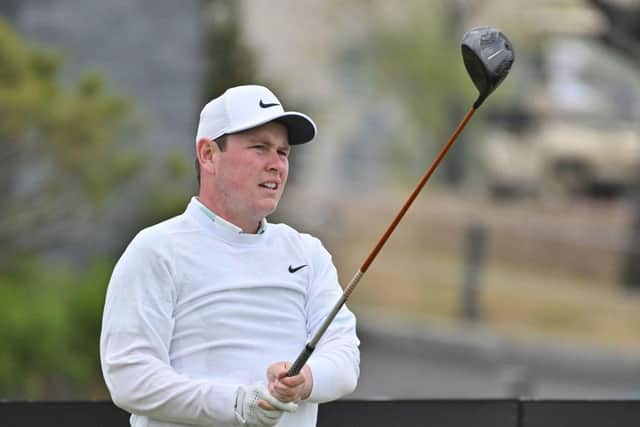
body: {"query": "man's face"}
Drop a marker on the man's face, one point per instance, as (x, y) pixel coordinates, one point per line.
(250, 175)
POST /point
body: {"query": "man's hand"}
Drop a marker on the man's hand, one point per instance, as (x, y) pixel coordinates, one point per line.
(289, 389)
(255, 407)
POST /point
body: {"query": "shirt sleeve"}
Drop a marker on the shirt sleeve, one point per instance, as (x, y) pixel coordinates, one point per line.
(135, 339)
(335, 363)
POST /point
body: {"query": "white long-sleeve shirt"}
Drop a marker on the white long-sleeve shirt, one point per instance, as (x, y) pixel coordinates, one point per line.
(195, 308)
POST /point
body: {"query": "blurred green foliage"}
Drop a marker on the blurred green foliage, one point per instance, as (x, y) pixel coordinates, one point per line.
(50, 317)
(61, 152)
(61, 157)
(411, 55)
(417, 60)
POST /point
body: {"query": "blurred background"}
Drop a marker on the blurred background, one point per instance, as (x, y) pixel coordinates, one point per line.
(515, 273)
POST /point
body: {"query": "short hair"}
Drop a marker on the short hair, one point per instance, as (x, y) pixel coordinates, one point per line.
(221, 142)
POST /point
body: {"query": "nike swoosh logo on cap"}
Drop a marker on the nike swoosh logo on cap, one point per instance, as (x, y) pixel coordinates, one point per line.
(293, 270)
(263, 105)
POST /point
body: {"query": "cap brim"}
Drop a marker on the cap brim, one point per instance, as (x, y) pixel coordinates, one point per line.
(300, 127)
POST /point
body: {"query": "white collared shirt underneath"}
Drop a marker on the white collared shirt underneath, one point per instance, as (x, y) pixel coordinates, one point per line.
(223, 222)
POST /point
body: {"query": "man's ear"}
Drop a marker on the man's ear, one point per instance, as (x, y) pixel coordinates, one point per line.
(206, 150)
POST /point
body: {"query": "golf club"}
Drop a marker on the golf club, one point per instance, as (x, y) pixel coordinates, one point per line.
(488, 56)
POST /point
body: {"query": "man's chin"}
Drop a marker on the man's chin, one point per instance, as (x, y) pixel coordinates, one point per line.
(268, 207)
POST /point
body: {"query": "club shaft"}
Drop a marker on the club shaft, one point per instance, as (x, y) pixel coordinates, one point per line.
(416, 191)
(311, 345)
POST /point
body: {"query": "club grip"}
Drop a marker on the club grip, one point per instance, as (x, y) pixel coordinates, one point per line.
(300, 361)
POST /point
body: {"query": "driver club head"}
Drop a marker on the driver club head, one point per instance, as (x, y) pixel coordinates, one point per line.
(488, 55)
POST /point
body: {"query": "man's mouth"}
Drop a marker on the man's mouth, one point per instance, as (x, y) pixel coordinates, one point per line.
(270, 185)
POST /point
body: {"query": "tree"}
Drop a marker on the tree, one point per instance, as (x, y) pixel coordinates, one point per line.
(60, 155)
(228, 61)
(61, 160)
(413, 56)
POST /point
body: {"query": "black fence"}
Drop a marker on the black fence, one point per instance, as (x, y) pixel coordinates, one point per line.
(367, 413)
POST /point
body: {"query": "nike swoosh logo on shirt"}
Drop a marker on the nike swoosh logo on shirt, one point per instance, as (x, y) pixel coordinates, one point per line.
(293, 270)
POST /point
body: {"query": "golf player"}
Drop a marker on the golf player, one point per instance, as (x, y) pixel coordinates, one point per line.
(205, 311)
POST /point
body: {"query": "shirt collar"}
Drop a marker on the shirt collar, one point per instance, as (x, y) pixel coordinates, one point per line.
(224, 223)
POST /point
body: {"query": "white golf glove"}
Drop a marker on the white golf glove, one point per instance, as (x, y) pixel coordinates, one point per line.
(249, 414)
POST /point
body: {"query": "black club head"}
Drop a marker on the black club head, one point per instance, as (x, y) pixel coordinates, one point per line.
(488, 55)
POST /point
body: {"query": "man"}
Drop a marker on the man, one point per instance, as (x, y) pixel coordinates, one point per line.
(205, 311)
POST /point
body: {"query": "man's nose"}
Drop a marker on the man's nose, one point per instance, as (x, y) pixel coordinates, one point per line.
(276, 162)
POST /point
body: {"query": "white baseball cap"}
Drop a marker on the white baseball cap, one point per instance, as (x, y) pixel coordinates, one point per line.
(245, 107)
